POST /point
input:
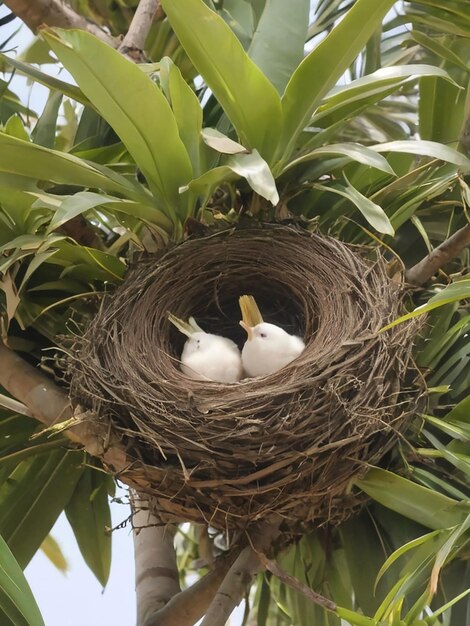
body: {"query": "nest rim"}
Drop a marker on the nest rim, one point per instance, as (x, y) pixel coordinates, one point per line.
(287, 444)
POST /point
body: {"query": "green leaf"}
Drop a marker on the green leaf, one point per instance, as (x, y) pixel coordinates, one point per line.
(246, 95)
(430, 149)
(410, 545)
(257, 173)
(14, 127)
(28, 159)
(372, 212)
(249, 166)
(134, 106)
(44, 132)
(86, 200)
(461, 412)
(354, 618)
(220, 142)
(277, 46)
(33, 498)
(48, 81)
(433, 44)
(420, 504)
(16, 599)
(187, 111)
(346, 102)
(89, 516)
(452, 293)
(457, 430)
(324, 66)
(360, 536)
(52, 550)
(431, 618)
(354, 151)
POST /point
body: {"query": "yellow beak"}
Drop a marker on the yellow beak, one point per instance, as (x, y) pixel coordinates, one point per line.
(249, 330)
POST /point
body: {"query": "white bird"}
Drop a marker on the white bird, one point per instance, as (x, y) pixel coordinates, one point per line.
(206, 356)
(268, 348)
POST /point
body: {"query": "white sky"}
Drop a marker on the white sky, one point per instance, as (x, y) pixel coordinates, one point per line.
(77, 598)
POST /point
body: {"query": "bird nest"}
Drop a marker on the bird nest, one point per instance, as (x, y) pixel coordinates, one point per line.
(288, 444)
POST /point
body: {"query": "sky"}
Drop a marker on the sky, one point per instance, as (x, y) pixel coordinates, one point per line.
(76, 598)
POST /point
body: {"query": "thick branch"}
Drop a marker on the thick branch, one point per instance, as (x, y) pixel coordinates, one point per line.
(233, 588)
(50, 405)
(448, 250)
(187, 607)
(37, 13)
(156, 572)
(134, 42)
(239, 577)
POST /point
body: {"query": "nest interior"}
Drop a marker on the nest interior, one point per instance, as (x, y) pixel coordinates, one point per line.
(287, 444)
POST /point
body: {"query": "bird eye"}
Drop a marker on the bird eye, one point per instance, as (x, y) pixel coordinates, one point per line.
(263, 335)
(198, 341)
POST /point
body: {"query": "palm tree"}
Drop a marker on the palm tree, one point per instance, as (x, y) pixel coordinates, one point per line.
(367, 136)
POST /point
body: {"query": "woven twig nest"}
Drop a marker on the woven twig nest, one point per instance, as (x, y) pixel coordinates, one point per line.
(289, 443)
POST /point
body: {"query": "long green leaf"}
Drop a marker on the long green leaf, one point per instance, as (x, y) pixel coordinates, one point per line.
(360, 536)
(28, 159)
(420, 504)
(431, 149)
(187, 111)
(452, 293)
(34, 497)
(354, 151)
(89, 516)
(246, 95)
(81, 202)
(134, 106)
(277, 46)
(48, 81)
(348, 101)
(372, 212)
(249, 166)
(16, 599)
(45, 130)
(51, 549)
(323, 67)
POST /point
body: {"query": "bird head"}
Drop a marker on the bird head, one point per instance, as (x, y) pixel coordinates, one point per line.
(266, 335)
(198, 340)
(187, 328)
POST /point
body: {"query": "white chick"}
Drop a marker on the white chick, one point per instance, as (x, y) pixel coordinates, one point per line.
(268, 348)
(206, 356)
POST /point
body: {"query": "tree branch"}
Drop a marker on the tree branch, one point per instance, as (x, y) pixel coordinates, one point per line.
(239, 577)
(448, 250)
(36, 13)
(156, 572)
(50, 405)
(134, 42)
(188, 606)
(233, 588)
